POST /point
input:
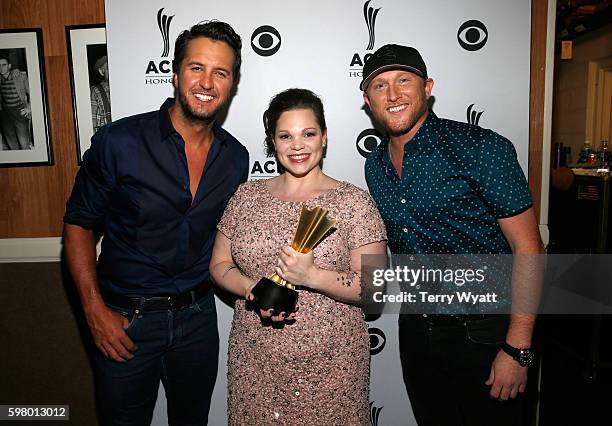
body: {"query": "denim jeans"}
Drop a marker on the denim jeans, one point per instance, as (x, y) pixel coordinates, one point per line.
(180, 348)
(445, 368)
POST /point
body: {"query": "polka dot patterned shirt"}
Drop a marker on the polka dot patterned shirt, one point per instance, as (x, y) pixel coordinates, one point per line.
(457, 180)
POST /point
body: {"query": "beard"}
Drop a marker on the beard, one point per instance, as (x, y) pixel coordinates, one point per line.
(400, 128)
(196, 116)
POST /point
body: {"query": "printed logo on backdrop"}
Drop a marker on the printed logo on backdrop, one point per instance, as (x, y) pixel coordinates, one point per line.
(263, 169)
(473, 116)
(356, 65)
(375, 413)
(369, 13)
(378, 340)
(368, 141)
(159, 70)
(163, 22)
(472, 35)
(266, 40)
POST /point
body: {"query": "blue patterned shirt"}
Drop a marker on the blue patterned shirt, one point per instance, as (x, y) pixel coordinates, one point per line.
(457, 180)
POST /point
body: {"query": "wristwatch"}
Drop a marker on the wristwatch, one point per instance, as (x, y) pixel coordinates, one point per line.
(525, 357)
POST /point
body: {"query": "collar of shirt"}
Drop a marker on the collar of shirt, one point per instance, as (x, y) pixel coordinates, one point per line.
(425, 138)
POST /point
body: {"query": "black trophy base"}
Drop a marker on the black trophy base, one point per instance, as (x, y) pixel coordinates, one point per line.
(270, 295)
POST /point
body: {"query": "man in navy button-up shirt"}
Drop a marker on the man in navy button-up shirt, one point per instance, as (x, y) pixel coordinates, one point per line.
(156, 185)
(445, 187)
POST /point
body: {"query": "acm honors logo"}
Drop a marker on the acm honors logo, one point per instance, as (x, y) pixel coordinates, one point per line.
(375, 413)
(263, 169)
(378, 340)
(357, 60)
(159, 71)
(473, 116)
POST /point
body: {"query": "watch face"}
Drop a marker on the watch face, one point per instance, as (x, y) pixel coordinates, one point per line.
(526, 358)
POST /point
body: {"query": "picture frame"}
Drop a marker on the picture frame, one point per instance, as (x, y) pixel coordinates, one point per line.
(25, 135)
(88, 62)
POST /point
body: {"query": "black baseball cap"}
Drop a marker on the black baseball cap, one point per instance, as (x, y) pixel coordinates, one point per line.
(393, 57)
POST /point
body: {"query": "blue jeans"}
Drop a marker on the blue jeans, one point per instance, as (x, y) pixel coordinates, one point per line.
(445, 369)
(180, 348)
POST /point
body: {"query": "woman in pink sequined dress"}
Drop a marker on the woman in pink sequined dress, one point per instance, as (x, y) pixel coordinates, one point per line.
(310, 367)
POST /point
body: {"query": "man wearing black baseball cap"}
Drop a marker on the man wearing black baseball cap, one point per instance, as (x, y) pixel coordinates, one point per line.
(445, 187)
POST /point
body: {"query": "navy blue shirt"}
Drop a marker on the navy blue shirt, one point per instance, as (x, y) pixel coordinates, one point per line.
(457, 180)
(134, 185)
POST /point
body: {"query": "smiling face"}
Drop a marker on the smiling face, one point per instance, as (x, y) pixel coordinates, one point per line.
(398, 101)
(204, 79)
(299, 141)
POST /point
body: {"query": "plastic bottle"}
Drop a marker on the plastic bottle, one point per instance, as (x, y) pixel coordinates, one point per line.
(603, 155)
(586, 152)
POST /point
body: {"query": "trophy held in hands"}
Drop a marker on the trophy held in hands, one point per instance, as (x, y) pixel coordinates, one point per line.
(278, 294)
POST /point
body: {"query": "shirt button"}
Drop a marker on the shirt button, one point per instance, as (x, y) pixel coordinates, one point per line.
(403, 200)
(405, 230)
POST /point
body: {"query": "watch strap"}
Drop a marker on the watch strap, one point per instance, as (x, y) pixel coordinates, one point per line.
(524, 357)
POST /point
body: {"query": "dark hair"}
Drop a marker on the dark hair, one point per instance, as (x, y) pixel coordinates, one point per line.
(214, 30)
(288, 100)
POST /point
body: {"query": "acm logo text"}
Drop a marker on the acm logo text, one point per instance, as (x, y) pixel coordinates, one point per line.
(358, 59)
(263, 169)
(159, 71)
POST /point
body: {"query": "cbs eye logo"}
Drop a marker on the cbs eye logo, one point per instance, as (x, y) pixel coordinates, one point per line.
(472, 35)
(265, 40)
(377, 340)
(367, 141)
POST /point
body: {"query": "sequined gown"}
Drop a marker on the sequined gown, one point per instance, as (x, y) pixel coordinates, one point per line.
(315, 371)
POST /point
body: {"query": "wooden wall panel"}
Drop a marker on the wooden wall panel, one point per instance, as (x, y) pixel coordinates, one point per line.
(32, 199)
(539, 16)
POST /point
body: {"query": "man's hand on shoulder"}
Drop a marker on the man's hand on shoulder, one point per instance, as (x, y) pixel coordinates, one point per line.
(108, 330)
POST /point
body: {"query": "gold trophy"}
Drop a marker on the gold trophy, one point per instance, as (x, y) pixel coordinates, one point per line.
(277, 293)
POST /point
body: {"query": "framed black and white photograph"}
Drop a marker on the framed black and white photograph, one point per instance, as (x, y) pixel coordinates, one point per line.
(88, 63)
(24, 125)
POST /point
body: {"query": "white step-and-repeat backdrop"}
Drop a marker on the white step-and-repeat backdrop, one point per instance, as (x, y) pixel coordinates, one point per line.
(477, 52)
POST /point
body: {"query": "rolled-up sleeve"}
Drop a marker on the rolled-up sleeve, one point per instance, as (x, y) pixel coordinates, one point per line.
(93, 184)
